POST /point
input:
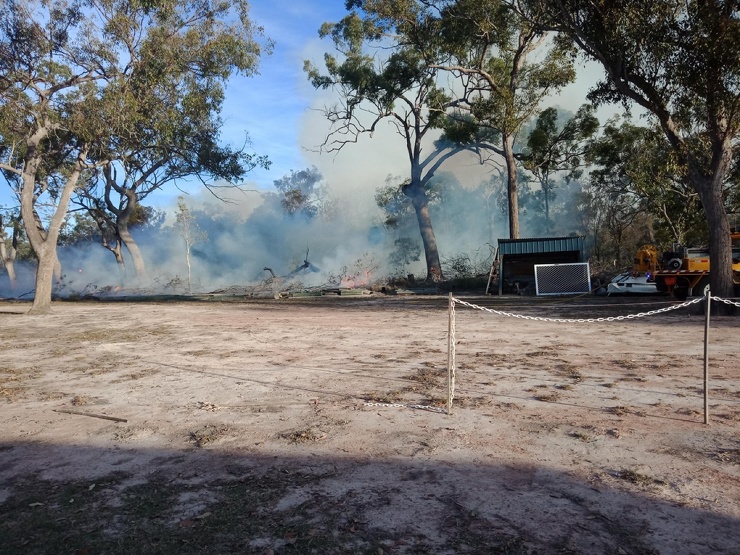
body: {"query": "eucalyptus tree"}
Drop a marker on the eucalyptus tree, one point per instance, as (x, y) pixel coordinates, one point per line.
(393, 84)
(188, 149)
(94, 222)
(554, 147)
(99, 86)
(638, 161)
(508, 67)
(300, 192)
(504, 64)
(676, 59)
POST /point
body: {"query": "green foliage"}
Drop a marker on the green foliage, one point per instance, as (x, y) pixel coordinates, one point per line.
(397, 85)
(396, 206)
(134, 81)
(495, 47)
(80, 228)
(638, 165)
(115, 99)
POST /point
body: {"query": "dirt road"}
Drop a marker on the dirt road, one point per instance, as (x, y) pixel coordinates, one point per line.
(319, 426)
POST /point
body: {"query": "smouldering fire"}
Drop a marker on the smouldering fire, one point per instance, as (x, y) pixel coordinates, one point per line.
(361, 279)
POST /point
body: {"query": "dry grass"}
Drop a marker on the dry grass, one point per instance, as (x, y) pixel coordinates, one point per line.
(582, 436)
(429, 377)
(548, 397)
(731, 456)
(51, 395)
(207, 434)
(390, 397)
(636, 478)
(11, 394)
(628, 364)
(135, 376)
(303, 436)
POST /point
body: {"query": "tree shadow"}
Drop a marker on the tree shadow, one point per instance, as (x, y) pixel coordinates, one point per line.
(214, 498)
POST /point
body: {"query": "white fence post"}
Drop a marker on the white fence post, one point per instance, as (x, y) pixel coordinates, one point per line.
(708, 310)
(450, 354)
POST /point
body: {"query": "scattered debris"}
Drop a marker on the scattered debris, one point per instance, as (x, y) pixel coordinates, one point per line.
(303, 436)
(92, 415)
(207, 434)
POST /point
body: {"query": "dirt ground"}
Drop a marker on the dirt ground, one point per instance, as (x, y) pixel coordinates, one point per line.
(318, 425)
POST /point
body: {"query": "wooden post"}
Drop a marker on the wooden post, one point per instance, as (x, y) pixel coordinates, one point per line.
(450, 353)
(708, 310)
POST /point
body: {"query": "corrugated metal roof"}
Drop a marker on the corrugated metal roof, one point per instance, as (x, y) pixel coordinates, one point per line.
(540, 245)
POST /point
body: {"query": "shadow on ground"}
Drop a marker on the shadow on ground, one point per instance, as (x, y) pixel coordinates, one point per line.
(203, 500)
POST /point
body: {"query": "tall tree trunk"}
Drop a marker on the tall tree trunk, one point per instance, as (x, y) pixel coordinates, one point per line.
(136, 257)
(187, 260)
(511, 186)
(720, 254)
(709, 185)
(118, 253)
(12, 277)
(123, 216)
(116, 247)
(8, 254)
(420, 203)
(45, 270)
(44, 242)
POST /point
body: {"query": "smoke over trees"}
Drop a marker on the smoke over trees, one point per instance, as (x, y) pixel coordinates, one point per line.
(93, 88)
(401, 90)
(300, 192)
(103, 110)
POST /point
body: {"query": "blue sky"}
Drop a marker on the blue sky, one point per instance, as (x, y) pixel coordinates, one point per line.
(270, 106)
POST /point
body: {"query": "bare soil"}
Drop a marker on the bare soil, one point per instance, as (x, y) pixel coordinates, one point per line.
(319, 425)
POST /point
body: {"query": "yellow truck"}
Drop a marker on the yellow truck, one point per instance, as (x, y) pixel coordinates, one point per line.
(685, 272)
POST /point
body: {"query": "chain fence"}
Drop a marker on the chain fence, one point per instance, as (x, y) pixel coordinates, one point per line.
(451, 362)
(451, 355)
(582, 320)
(726, 301)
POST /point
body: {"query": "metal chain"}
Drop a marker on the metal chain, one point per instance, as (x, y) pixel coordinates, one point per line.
(726, 301)
(582, 320)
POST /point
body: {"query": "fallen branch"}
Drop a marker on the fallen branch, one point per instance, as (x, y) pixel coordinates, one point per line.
(93, 415)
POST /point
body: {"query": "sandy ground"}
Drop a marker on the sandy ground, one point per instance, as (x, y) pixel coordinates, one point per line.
(318, 425)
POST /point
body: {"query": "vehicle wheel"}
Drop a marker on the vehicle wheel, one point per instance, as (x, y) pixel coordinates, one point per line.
(675, 264)
(681, 293)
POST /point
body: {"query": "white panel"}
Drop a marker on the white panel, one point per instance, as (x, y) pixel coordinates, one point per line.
(562, 279)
